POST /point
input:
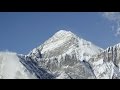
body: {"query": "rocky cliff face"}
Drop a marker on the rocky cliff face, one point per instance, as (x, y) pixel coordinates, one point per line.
(65, 55)
(107, 63)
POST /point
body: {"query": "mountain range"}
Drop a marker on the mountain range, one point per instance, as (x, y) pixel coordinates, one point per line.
(63, 56)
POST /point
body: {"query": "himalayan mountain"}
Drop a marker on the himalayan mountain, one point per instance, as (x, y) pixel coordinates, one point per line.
(63, 56)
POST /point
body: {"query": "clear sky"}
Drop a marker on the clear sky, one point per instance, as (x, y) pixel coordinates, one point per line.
(22, 31)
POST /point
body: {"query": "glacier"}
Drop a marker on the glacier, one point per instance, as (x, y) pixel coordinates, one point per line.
(63, 56)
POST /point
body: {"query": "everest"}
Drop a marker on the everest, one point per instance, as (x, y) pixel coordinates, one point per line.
(63, 56)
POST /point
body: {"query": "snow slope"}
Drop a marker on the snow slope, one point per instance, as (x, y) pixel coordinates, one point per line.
(11, 68)
(65, 42)
(106, 65)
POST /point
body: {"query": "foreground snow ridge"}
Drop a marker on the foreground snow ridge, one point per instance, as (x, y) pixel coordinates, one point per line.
(10, 67)
(63, 56)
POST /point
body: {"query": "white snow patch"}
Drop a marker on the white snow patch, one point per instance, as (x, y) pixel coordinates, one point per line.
(99, 62)
(11, 68)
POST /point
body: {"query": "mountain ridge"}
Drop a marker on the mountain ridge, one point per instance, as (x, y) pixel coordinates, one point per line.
(66, 56)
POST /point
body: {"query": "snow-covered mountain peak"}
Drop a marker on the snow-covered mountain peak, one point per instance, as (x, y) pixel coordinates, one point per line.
(63, 56)
(61, 35)
(65, 42)
(63, 32)
(59, 39)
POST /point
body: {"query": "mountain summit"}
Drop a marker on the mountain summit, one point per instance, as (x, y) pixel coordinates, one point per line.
(65, 42)
(63, 56)
(64, 51)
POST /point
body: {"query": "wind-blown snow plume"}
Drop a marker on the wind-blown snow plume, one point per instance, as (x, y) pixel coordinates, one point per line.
(115, 18)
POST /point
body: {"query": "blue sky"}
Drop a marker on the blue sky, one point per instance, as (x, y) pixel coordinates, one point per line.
(22, 31)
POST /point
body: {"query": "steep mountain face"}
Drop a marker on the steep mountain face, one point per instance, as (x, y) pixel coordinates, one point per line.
(107, 64)
(34, 69)
(65, 42)
(63, 56)
(66, 56)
